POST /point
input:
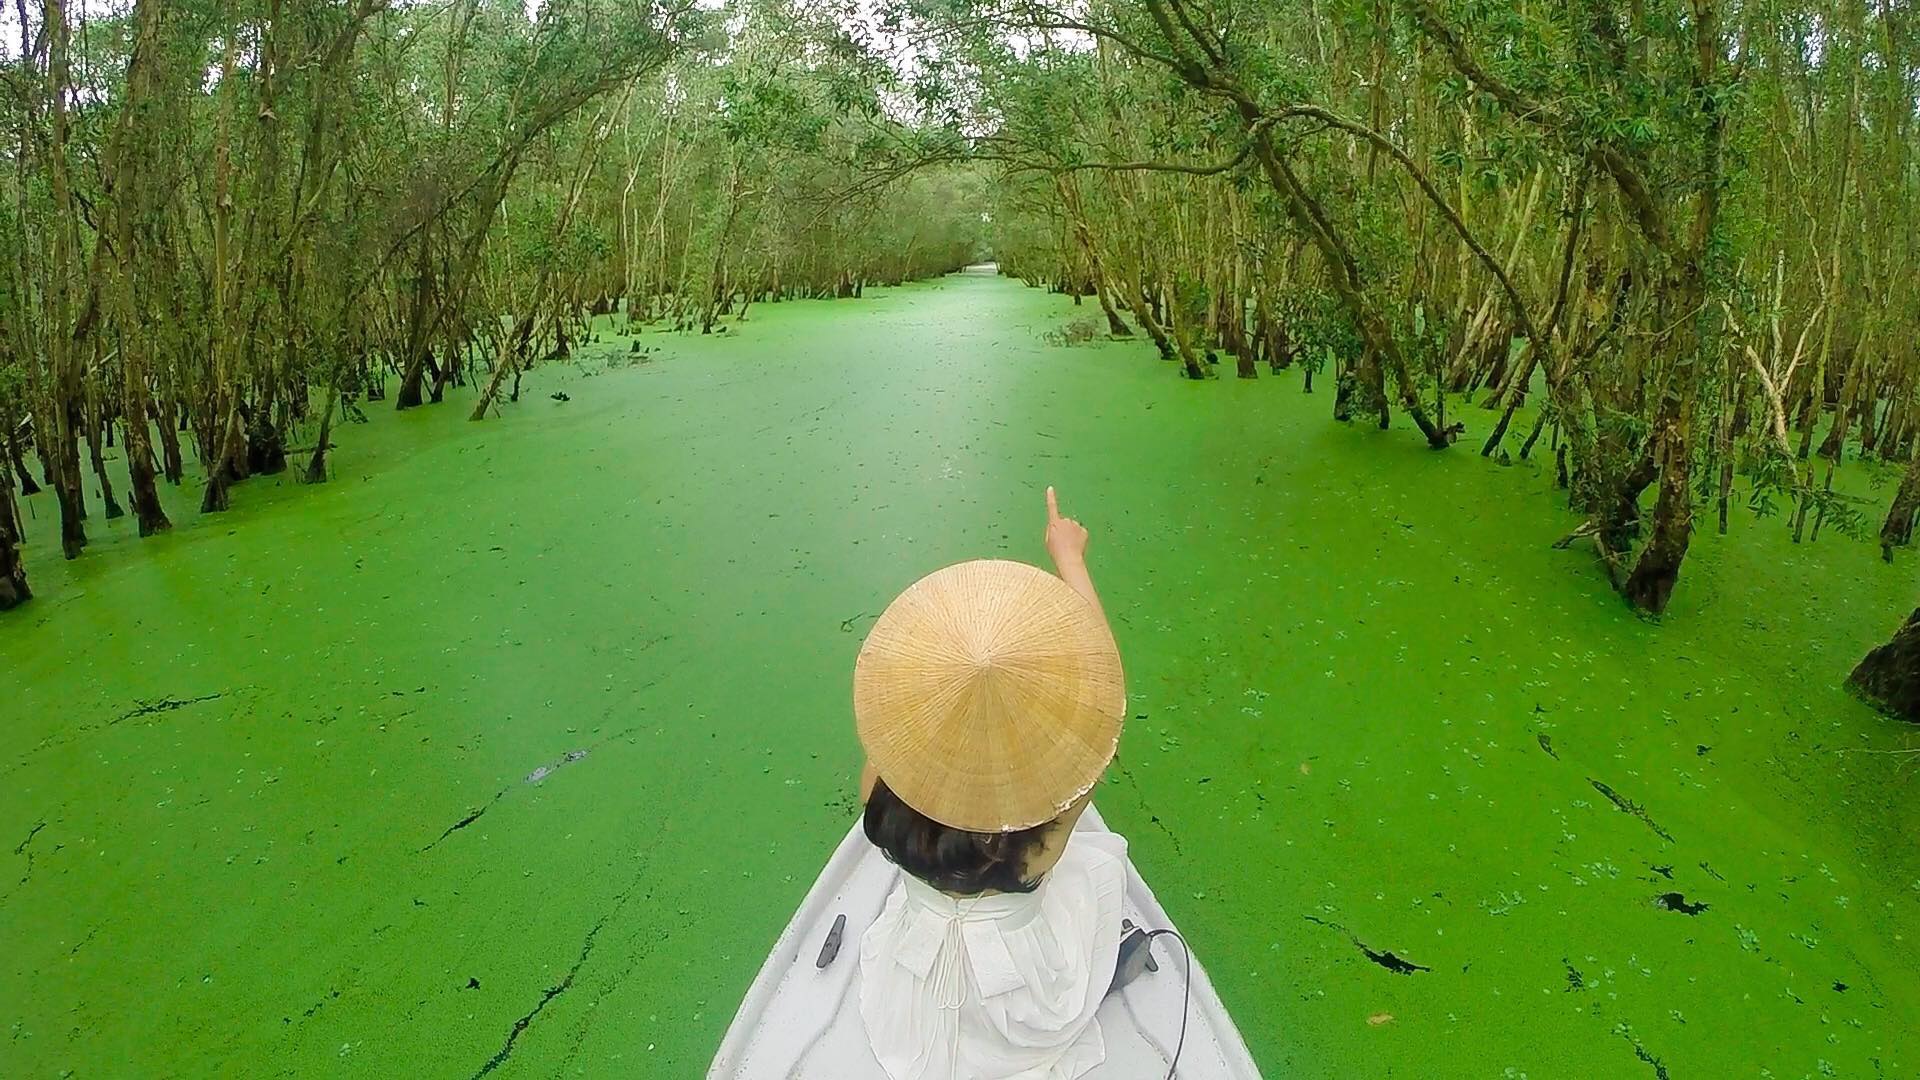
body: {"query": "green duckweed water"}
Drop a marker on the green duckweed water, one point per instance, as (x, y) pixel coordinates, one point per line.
(511, 750)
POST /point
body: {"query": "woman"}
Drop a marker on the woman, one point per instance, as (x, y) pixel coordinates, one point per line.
(989, 699)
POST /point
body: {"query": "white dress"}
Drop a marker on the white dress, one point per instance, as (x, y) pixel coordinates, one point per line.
(999, 987)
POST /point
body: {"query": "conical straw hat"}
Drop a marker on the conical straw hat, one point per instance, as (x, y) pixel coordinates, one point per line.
(989, 696)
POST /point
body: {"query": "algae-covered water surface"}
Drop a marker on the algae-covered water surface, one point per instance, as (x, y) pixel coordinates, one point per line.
(513, 759)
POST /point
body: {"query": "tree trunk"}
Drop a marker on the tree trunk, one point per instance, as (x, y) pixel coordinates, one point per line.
(55, 428)
(1733, 420)
(1889, 677)
(42, 449)
(266, 444)
(129, 182)
(1650, 585)
(411, 383)
(1614, 498)
(433, 305)
(1116, 326)
(1893, 431)
(1506, 415)
(509, 362)
(1810, 414)
(1143, 312)
(1233, 327)
(222, 468)
(1097, 280)
(445, 375)
(1869, 416)
(1539, 425)
(437, 392)
(96, 423)
(139, 450)
(174, 466)
(419, 351)
(317, 465)
(13, 575)
(64, 473)
(1343, 383)
(1272, 336)
(1343, 273)
(1834, 445)
(1897, 530)
(18, 457)
(1179, 334)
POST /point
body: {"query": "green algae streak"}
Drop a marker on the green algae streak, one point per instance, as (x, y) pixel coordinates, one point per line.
(298, 790)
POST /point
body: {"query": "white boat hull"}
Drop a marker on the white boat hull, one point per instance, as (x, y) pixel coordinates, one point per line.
(800, 1021)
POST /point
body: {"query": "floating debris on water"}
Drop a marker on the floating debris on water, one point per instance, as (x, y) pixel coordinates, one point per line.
(545, 771)
(1388, 959)
(1631, 807)
(1673, 901)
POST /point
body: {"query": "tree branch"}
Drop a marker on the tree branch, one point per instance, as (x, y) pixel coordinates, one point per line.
(1626, 175)
(1541, 344)
(1162, 166)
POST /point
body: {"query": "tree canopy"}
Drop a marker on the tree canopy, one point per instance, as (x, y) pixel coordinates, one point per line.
(1672, 240)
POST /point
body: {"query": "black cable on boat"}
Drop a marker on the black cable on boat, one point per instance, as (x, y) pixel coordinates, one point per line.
(1186, 994)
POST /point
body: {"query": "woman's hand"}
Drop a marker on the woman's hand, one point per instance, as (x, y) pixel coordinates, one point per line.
(1066, 538)
(1067, 543)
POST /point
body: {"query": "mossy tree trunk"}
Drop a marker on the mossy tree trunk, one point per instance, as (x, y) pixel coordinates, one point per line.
(13, 576)
(63, 402)
(18, 458)
(1897, 530)
(128, 171)
(1889, 677)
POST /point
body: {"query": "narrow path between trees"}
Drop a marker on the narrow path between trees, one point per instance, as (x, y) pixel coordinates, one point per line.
(514, 758)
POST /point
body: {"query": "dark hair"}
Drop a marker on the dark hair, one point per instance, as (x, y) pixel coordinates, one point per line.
(951, 860)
